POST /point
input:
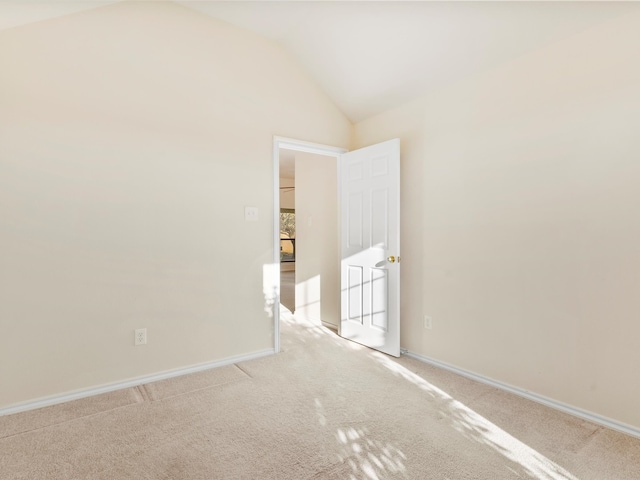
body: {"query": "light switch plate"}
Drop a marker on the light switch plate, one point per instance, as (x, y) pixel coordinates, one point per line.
(250, 214)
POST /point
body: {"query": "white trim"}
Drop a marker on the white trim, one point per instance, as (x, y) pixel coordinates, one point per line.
(330, 326)
(309, 147)
(549, 402)
(276, 242)
(300, 146)
(90, 392)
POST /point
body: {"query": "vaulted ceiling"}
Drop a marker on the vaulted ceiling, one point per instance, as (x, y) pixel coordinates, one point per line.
(372, 56)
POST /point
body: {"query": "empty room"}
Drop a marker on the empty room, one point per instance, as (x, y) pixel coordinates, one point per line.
(461, 278)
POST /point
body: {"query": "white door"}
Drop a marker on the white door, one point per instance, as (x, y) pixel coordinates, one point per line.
(370, 246)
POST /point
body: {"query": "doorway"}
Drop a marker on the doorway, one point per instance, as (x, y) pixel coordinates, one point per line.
(309, 277)
(287, 228)
(362, 269)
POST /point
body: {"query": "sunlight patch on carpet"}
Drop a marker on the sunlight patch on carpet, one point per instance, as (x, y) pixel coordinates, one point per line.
(369, 458)
(475, 427)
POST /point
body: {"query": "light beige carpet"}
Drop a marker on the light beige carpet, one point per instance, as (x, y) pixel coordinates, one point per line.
(324, 408)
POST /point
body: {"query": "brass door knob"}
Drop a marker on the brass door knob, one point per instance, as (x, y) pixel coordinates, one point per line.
(391, 259)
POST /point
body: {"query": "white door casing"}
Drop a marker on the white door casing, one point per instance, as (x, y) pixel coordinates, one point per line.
(370, 246)
(271, 272)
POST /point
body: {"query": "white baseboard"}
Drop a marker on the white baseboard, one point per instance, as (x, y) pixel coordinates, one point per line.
(78, 394)
(330, 326)
(578, 412)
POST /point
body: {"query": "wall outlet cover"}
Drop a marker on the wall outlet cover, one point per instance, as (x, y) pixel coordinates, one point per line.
(140, 336)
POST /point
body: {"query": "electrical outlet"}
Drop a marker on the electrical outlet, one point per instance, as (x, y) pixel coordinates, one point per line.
(428, 322)
(141, 336)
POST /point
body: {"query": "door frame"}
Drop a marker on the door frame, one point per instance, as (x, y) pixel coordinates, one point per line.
(299, 146)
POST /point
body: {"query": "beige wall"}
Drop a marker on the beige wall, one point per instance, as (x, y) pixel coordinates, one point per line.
(287, 197)
(126, 135)
(317, 241)
(520, 224)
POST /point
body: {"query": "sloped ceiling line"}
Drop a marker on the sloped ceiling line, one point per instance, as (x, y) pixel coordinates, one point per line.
(370, 57)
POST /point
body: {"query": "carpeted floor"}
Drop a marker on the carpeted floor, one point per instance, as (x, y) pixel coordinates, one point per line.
(324, 408)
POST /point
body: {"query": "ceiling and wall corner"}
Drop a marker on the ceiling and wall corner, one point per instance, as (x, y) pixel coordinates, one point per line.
(372, 56)
(16, 13)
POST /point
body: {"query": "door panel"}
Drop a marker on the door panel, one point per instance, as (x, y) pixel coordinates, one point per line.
(355, 216)
(355, 294)
(370, 235)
